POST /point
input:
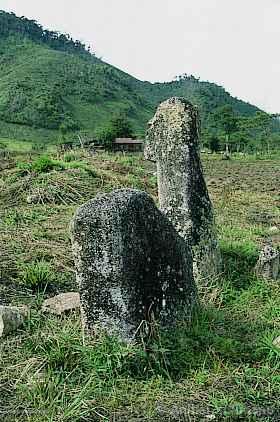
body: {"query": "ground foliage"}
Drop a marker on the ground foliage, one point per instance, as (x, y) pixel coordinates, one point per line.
(223, 366)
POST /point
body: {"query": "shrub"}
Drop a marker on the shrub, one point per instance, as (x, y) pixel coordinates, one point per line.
(24, 168)
(45, 164)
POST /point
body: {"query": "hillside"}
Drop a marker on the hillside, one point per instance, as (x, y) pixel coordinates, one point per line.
(48, 80)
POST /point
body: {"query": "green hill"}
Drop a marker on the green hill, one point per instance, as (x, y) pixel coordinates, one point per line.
(47, 80)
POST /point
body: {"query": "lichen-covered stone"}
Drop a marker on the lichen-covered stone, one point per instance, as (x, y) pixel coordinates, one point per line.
(268, 265)
(173, 143)
(12, 318)
(131, 264)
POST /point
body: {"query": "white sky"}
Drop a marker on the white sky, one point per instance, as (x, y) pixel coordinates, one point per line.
(234, 43)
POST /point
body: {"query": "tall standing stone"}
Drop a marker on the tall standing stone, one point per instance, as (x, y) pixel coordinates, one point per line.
(173, 143)
(131, 264)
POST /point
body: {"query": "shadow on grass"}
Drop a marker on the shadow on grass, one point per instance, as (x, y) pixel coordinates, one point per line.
(213, 336)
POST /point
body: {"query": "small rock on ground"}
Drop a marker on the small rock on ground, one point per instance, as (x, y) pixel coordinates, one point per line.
(62, 303)
(11, 318)
(276, 342)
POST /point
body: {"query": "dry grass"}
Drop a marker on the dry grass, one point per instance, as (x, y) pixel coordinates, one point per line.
(224, 366)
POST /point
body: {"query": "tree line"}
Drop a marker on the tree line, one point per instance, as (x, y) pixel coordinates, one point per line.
(226, 130)
(11, 24)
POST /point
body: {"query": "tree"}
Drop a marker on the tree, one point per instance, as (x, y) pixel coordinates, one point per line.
(263, 122)
(214, 143)
(121, 126)
(10, 23)
(106, 136)
(226, 120)
(118, 127)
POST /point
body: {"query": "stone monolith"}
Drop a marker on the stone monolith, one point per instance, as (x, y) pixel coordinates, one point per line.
(131, 265)
(173, 143)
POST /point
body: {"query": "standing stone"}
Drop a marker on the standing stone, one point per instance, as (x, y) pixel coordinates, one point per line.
(268, 265)
(131, 265)
(173, 143)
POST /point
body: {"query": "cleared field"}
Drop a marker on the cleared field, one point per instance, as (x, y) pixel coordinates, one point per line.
(222, 367)
(16, 146)
(21, 147)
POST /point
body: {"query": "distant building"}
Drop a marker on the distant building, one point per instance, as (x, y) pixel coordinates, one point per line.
(128, 145)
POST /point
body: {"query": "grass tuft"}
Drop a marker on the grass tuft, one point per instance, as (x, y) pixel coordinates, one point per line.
(36, 274)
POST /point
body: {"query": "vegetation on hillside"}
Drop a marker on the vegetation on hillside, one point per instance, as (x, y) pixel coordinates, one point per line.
(226, 130)
(50, 84)
(11, 24)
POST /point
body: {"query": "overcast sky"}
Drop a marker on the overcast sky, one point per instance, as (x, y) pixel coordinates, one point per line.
(234, 43)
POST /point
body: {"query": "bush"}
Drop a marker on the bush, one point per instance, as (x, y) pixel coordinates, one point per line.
(36, 274)
(43, 164)
(24, 168)
(82, 166)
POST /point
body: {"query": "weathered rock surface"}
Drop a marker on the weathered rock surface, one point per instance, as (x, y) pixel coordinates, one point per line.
(131, 265)
(62, 303)
(173, 143)
(268, 265)
(273, 230)
(276, 342)
(11, 318)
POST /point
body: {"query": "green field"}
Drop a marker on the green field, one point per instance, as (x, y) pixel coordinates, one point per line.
(16, 146)
(224, 366)
(23, 147)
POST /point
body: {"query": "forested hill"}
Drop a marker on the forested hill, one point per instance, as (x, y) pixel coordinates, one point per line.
(49, 81)
(11, 24)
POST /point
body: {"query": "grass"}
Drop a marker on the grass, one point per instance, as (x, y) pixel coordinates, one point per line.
(15, 145)
(25, 146)
(223, 366)
(36, 274)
